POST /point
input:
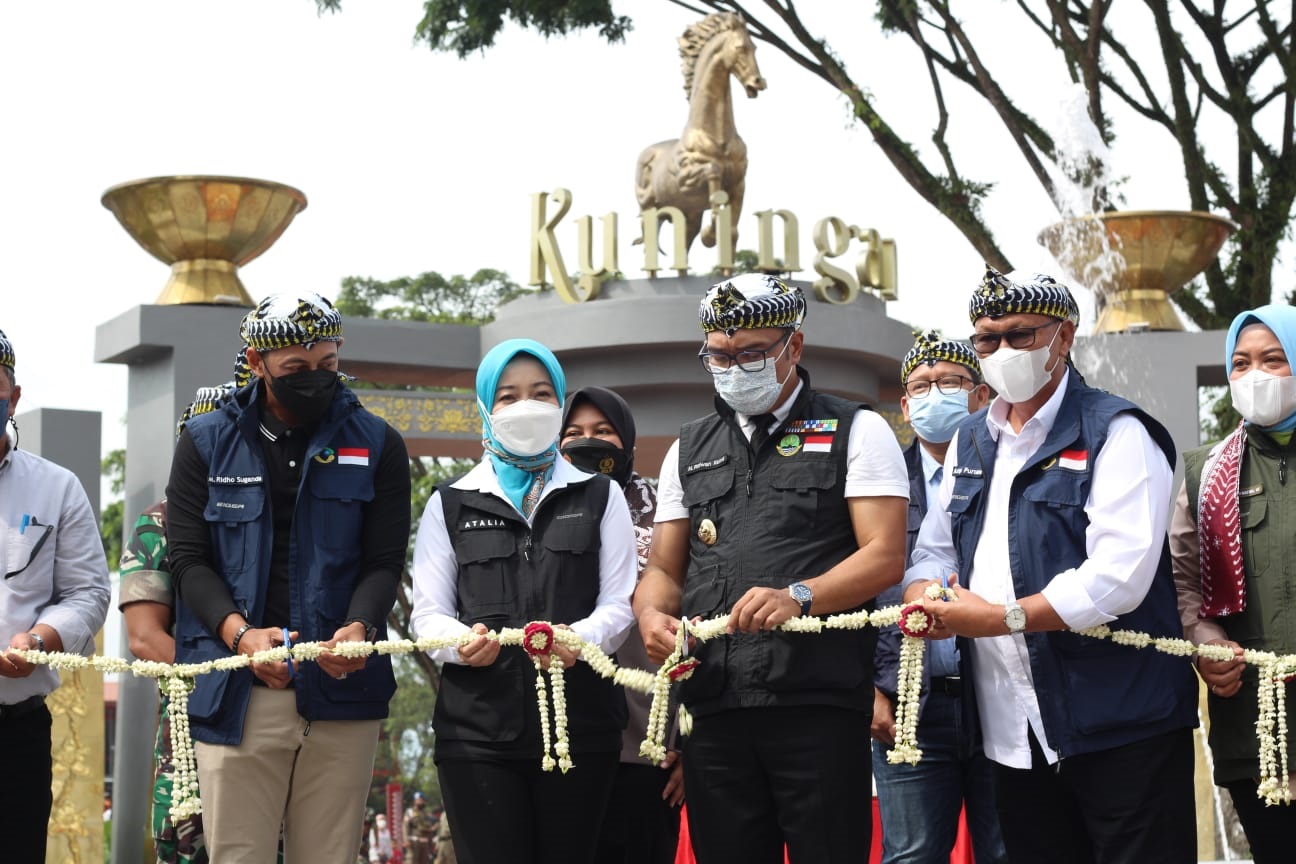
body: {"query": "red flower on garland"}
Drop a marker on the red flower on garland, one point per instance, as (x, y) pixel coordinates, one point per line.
(916, 621)
(537, 638)
(683, 669)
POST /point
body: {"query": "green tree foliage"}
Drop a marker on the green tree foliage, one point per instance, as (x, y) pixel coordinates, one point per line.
(409, 739)
(449, 25)
(113, 467)
(429, 297)
(1215, 82)
(1220, 417)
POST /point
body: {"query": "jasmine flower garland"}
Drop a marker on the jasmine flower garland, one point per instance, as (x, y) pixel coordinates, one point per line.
(176, 681)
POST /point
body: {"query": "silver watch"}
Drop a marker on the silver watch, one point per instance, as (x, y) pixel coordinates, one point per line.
(1015, 618)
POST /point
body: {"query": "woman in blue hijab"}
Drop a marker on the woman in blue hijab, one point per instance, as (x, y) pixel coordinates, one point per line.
(1233, 540)
(524, 536)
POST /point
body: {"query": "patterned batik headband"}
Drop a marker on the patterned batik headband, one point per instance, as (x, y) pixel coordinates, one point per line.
(1040, 294)
(204, 401)
(751, 301)
(929, 348)
(283, 320)
(6, 351)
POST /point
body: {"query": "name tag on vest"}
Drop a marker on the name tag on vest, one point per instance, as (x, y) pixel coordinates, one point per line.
(475, 524)
(704, 466)
(222, 480)
(964, 471)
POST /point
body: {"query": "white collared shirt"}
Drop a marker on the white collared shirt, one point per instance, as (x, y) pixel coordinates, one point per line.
(54, 568)
(436, 570)
(1128, 511)
(875, 464)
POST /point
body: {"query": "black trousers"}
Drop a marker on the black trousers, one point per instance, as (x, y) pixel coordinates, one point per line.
(25, 794)
(1127, 805)
(1270, 831)
(759, 777)
(639, 827)
(508, 811)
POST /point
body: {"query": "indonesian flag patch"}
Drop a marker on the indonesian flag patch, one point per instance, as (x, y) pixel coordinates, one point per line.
(1074, 460)
(817, 443)
(353, 455)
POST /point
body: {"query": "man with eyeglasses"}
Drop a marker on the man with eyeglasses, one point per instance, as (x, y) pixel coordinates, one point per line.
(920, 804)
(54, 598)
(784, 502)
(1053, 513)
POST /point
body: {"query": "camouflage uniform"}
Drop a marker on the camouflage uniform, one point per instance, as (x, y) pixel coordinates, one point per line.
(146, 577)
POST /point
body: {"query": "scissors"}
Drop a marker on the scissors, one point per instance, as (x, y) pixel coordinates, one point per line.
(287, 643)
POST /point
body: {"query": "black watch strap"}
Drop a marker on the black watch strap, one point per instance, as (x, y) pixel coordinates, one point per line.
(371, 630)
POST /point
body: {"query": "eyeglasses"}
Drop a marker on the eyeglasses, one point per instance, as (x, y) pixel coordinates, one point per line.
(949, 385)
(718, 362)
(1020, 338)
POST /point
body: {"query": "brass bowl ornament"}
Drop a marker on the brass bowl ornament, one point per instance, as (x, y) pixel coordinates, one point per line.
(1147, 256)
(205, 228)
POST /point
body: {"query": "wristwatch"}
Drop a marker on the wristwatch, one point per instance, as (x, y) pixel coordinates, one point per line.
(371, 631)
(802, 594)
(1015, 618)
(38, 639)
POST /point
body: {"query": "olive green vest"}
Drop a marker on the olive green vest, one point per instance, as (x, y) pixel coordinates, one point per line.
(1267, 505)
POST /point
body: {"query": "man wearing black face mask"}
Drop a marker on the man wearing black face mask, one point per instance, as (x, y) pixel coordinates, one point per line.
(288, 519)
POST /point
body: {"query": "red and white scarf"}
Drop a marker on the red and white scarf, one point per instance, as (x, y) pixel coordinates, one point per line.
(1219, 527)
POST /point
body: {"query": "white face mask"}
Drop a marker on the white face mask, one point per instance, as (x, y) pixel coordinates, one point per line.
(1018, 375)
(1264, 399)
(526, 428)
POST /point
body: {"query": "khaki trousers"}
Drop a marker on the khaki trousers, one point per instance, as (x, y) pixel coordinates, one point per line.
(313, 778)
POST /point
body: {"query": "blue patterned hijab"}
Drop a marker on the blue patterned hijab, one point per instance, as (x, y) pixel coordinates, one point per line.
(1279, 318)
(521, 477)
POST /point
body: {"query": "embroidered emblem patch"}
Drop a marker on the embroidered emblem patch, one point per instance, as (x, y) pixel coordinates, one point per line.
(325, 456)
(789, 445)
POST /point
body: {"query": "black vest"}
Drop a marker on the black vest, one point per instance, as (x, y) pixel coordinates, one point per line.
(777, 515)
(511, 574)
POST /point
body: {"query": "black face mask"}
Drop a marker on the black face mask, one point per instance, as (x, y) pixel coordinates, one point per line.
(598, 457)
(306, 394)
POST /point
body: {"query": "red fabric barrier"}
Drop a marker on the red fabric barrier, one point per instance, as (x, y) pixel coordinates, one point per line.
(961, 854)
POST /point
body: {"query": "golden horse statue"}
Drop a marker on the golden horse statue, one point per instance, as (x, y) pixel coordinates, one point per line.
(709, 156)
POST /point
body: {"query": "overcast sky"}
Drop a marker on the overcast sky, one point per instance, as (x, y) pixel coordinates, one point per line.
(416, 161)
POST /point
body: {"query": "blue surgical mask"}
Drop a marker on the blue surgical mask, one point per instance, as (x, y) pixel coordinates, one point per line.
(936, 416)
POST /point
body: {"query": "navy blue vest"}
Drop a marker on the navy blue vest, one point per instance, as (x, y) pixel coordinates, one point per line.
(1093, 694)
(324, 561)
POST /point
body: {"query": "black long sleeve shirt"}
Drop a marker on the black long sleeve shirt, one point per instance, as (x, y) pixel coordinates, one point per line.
(385, 535)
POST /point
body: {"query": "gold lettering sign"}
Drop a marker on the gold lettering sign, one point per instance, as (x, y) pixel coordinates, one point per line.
(875, 267)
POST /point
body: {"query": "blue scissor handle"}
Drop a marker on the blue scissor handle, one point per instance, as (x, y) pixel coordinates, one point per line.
(292, 673)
